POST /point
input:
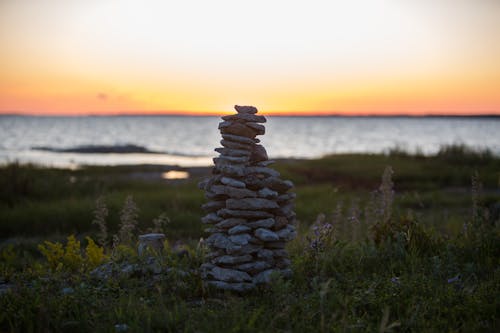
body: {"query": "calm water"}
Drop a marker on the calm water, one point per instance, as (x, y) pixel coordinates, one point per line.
(189, 141)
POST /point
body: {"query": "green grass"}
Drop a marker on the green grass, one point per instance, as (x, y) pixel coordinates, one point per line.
(416, 271)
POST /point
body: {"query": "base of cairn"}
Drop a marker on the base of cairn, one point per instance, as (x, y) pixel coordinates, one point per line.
(250, 209)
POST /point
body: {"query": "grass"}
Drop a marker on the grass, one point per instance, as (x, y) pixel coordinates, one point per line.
(356, 269)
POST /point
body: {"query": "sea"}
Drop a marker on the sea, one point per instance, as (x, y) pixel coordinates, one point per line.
(190, 141)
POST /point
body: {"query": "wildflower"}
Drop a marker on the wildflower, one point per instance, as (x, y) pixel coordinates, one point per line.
(100, 214)
(128, 222)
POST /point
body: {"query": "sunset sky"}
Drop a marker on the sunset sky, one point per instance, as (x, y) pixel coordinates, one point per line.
(344, 57)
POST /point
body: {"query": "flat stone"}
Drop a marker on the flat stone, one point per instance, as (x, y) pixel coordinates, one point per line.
(274, 183)
(235, 145)
(153, 241)
(239, 129)
(229, 275)
(239, 229)
(266, 235)
(245, 109)
(245, 117)
(229, 223)
(224, 160)
(265, 276)
(241, 239)
(232, 260)
(267, 193)
(259, 129)
(205, 268)
(245, 249)
(233, 152)
(265, 223)
(233, 192)
(264, 163)
(265, 254)
(232, 182)
(231, 170)
(212, 230)
(254, 267)
(243, 213)
(286, 197)
(236, 287)
(251, 204)
(239, 139)
(288, 233)
(211, 218)
(262, 170)
(213, 206)
(219, 241)
(259, 154)
(285, 210)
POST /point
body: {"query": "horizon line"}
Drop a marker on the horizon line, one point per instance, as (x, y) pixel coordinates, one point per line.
(304, 114)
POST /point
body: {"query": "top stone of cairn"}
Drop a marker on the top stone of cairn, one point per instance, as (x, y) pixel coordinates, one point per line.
(245, 109)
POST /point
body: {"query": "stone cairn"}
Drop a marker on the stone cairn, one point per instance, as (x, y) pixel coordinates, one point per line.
(249, 212)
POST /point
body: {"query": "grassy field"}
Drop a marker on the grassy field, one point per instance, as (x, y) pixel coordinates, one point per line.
(419, 253)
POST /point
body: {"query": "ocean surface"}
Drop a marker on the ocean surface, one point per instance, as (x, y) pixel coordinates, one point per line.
(190, 141)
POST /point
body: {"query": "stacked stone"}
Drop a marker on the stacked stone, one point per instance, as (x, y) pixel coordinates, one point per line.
(250, 211)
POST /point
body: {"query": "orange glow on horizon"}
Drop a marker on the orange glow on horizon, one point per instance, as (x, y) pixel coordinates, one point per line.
(328, 58)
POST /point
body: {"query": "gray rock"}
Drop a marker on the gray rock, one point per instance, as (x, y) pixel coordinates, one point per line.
(234, 170)
(265, 276)
(237, 287)
(239, 139)
(266, 235)
(266, 223)
(205, 268)
(264, 163)
(232, 182)
(213, 230)
(274, 183)
(153, 241)
(259, 129)
(67, 291)
(232, 260)
(239, 229)
(229, 275)
(233, 192)
(267, 193)
(211, 218)
(241, 239)
(229, 223)
(226, 213)
(254, 267)
(229, 160)
(265, 254)
(251, 204)
(286, 197)
(259, 154)
(233, 152)
(245, 117)
(261, 170)
(213, 206)
(235, 145)
(219, 241)
(239, 129)
(288, 233)
(245, 249)
(245, 109)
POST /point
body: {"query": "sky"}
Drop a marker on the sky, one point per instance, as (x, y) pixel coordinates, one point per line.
(79, 57)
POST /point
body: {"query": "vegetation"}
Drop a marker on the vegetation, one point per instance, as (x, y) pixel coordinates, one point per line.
(414, 250)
